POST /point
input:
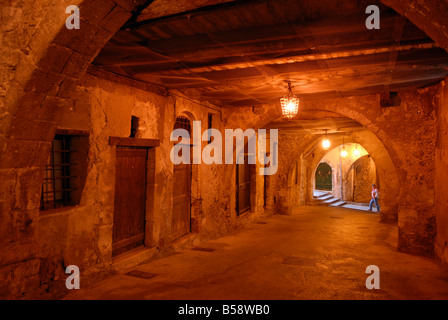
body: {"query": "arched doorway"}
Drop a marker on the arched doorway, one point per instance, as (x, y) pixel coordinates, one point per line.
(243, 188)
(244, 178)
(324, 177)
(181, 217)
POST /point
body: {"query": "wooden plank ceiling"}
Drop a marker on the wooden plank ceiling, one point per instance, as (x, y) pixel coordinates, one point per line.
(240, 53)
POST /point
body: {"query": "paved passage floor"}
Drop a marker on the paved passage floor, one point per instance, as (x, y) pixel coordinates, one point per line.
(317, 253)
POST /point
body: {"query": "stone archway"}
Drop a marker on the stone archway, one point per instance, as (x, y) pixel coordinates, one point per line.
(428, 15)
(408, 133)
(323, 176)
(48, 59)
(345, 180)
(311, 154)
(363, 174)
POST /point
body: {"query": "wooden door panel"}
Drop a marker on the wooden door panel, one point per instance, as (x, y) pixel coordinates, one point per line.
(181, 200)
(130, 199)
(243, 187)
(244, 197)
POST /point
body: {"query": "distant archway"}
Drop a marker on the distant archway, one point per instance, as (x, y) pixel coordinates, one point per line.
(323, 177)
(362, 175)
(309, 157)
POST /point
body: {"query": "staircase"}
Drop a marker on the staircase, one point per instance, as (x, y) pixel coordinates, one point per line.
(325, 198)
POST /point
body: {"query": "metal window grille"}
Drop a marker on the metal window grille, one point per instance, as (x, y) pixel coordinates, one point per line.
(182, 123)
(210, 126)
(56, 186)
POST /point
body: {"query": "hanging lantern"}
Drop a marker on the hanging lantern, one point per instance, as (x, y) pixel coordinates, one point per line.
(290, 104)
(326, 142)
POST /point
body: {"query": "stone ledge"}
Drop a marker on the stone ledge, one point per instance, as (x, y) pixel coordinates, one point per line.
(133, 142)
(133, 258)
(185, 242)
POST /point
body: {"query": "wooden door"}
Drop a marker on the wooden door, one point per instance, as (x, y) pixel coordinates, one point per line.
(181, 200)
(130, 200)
(243, 187)
(324, 177)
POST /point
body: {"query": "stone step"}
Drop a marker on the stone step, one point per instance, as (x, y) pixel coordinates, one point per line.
(338, 204)
(315, 202)
(133, 258)
(357, 207)
(358, 203)
(318, 194)
(326, 197)
(331, 200)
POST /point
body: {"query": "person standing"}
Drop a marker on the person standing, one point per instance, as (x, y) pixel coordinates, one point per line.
(375, 194)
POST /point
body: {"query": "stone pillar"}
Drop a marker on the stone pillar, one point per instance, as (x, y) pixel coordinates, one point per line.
(284, 201)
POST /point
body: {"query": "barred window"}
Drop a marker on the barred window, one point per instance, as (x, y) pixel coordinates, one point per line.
(210, 126)
(182, 123)
(64, 172)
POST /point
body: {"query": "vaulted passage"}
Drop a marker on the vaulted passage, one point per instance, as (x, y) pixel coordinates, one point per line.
(159, 127)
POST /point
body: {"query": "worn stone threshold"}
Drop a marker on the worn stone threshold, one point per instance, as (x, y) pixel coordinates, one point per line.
(139, 255)
(133, 258)
(185, 242)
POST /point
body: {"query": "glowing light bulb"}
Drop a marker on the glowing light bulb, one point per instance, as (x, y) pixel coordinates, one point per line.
(344, 153)
(356, 152)
(326, 143)
(290, 106)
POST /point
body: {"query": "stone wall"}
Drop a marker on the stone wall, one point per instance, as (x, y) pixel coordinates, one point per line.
(39, 57)
(309, 153)
(408, 134)
(288, 193)
(402, 143)
(364, 175)
(344, 165)
(83, 235)
(40, 60)
(441, 178)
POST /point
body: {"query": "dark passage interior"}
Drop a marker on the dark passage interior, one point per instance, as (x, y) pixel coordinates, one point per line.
(119, 143)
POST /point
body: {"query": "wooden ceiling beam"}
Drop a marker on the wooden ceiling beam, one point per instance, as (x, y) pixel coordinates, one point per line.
(397, 34)
(331, 31)
(148, 58)
(214, 67)
(241, 52)
(185, 9)
(308, 84)
(163, 8)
